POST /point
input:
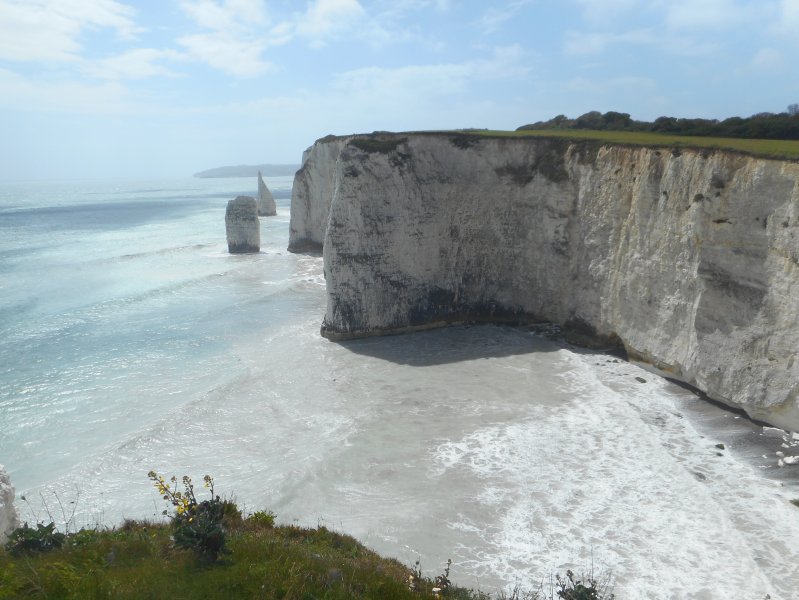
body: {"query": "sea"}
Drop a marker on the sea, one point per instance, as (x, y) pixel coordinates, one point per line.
(130, 341)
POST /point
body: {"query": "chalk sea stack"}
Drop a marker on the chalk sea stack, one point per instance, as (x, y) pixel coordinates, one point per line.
(243, 228)
(9, 518)
(266, 202)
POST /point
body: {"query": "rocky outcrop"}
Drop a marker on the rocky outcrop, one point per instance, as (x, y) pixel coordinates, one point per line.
(689, 258)
(241, 223)
(266, 202)
(312, 194)
(9, 517)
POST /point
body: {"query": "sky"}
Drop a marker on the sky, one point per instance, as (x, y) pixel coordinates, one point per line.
(165, 88)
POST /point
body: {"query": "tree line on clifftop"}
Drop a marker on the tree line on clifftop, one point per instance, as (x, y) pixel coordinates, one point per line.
(764, 125)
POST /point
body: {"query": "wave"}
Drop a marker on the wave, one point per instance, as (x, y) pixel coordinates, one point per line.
(156, 252)
(127, 192)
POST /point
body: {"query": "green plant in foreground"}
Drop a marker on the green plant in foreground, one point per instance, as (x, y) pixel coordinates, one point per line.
(571, 588)
(262, 519)
(442, 582)
(26, 540)
(196, 526)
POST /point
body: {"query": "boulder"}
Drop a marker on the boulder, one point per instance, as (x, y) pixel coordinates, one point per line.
(266, 202)
(9, 517)
(243, 228)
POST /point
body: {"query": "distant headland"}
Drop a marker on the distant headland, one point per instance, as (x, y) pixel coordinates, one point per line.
(249, 171)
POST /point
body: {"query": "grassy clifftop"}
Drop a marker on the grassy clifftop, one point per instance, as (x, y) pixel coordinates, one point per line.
(779, 149)
(384, 141)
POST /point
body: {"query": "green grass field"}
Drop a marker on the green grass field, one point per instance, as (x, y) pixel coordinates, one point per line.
(780, 149)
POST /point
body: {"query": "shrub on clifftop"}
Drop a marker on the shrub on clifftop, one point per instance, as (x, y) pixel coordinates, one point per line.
(197, 526)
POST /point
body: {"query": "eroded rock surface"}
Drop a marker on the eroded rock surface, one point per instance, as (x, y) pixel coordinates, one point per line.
(266, 202)
(312, 194)
(9, 517)
(689, 258)
(242, 226)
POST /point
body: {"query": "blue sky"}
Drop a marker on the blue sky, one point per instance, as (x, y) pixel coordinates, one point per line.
(114, 88)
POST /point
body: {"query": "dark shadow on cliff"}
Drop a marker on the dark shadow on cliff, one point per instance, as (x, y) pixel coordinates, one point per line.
(457, 343)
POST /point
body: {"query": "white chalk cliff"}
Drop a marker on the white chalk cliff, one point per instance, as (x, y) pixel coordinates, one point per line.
(266, 202)
(312, 194)
(9, 517)
(689, 258)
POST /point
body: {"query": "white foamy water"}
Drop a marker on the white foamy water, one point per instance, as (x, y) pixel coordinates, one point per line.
(132, 341)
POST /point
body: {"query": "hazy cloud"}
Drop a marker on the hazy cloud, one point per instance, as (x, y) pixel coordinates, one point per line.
(326, 21)
(602, 11)
(592, 43)
(674, 27)
(231, 43)
(401, 7)
(578, 42)
(493, 18)
(324, 18)
(140, 63)
(709, 14)
(18, 92)
(226, 15)
(50, 30)
(435, 79)
(766, 59)
(584, 85)
(238, 32)
(227, 52)
(789, 17)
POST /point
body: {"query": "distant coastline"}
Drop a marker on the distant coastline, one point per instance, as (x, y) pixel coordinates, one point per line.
(248, 171)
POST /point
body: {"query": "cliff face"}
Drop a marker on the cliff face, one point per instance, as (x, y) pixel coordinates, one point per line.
(9, 518)
(312, 195)
(688, 258)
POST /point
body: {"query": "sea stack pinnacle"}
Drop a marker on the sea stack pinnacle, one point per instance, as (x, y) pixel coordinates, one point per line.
(243, 228)
(266, 202)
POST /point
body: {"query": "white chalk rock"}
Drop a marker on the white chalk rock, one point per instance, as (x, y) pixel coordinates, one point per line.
(773, 432)
(266, 202)
(242, 225)
(312, 194)
(9, 517)
(689, 258)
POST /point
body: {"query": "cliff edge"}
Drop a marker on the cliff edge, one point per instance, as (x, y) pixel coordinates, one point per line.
(689, 258)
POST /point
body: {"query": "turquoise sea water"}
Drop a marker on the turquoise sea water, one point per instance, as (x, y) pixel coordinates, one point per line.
(131, 340)
(118, 301)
